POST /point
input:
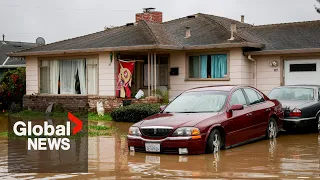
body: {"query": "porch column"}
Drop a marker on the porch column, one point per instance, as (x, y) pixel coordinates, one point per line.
(151, 71)
(148, 72)
(155, 70)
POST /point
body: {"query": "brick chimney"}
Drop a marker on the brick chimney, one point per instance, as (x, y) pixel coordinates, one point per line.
(149, 15)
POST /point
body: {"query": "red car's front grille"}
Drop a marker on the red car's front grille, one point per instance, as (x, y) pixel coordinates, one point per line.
(156, 132)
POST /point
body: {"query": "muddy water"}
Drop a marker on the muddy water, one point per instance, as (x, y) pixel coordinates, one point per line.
(288, 157)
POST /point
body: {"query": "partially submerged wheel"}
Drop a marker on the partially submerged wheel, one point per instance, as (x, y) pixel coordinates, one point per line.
(272, 130)
(214, 142)
(318, 119)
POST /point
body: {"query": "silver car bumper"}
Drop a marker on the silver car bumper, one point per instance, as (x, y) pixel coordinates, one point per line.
(158, 140)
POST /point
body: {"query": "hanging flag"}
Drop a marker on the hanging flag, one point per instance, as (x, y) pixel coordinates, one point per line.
(125, 72)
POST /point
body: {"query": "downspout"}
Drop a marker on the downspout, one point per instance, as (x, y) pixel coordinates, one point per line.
(255, 70)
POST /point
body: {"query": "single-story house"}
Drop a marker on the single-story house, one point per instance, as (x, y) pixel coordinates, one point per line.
(197, 50)
(6, 62)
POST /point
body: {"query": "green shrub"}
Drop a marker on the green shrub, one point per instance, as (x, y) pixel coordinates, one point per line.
(15, 107)
(164, 96)
(134, 112)
(13, 87)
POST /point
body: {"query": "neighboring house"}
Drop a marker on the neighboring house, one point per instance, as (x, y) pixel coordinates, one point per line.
(7, 62)
(192, 51)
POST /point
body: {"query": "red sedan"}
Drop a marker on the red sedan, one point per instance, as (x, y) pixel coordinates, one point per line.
(207, 119)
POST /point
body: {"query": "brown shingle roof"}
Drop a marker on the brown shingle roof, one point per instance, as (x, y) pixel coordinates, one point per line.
(11, 46)
(206, 31)
(298, 35)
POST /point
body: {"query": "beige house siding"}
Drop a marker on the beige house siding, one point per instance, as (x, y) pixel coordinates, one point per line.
(240, 72)
(32, 75)
(268, 77)
(107, 75)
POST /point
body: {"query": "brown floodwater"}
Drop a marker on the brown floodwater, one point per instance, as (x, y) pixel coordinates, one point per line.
(290, 156)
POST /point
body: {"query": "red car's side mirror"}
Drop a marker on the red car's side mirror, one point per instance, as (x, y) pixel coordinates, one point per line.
(162, 108)
(236, 107)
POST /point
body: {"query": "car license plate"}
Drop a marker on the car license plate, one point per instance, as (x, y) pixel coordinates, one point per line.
(152, 147)
(152, 160)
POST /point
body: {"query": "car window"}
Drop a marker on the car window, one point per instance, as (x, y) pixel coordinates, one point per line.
(253, 96)
(238, 98)
(261, 99)
(292, 94)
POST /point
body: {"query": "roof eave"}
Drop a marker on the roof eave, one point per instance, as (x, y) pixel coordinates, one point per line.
(224, 45)
(94, 50)
(284, 51)
(12, 66)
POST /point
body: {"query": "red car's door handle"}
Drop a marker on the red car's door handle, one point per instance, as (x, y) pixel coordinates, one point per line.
(268, 109)
(249, 114)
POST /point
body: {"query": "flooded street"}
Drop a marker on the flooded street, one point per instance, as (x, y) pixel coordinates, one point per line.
(290, 156)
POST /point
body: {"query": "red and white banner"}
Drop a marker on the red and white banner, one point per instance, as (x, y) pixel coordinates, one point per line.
(125, 73)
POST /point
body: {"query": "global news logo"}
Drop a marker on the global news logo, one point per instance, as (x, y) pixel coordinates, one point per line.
(48, 136)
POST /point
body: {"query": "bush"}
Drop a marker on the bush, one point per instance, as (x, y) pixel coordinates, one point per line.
(14, 108)
(164, 96)
(134, 112)
(13, 87)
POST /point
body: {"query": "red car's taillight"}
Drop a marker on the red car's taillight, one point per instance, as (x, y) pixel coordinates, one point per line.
(296, 113)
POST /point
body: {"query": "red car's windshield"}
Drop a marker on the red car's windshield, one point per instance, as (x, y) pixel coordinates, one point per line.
(197, 102)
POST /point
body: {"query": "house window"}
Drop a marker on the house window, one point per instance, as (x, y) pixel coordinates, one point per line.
(303, 67)
(77, 76)
(208, 66)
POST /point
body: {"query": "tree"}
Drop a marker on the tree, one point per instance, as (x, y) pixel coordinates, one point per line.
(317, 8)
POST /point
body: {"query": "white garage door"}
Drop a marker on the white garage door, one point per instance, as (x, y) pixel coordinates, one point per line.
(301, 72)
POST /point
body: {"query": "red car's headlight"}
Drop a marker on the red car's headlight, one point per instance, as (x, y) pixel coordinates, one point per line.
(134, 131)
(186, 131)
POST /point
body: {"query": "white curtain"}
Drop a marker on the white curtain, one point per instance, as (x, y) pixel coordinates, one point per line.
(54, 76)
(82, 75)
(68, 71)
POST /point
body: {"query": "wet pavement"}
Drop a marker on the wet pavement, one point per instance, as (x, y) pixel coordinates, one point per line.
(290, 156)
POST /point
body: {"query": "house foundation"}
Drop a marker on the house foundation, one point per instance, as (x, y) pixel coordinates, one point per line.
(78, 103)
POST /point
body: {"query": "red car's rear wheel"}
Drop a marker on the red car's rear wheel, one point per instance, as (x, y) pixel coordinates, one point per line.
(272, 130)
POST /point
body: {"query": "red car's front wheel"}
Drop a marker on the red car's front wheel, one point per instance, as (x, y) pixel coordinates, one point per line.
(214, 142)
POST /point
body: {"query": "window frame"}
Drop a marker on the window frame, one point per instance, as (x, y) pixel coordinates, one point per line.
(70, 58)
(307, 71)
(187, 78)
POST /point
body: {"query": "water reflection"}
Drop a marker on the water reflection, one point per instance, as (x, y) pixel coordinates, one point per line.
(289, 156)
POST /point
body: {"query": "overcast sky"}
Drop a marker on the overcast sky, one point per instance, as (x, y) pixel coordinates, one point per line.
(55, 20)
